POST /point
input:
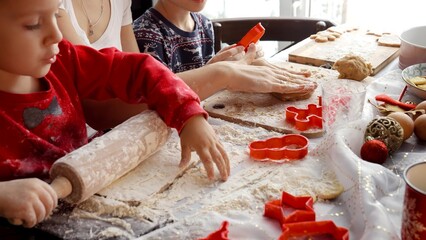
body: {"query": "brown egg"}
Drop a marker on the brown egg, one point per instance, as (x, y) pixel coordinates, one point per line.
(405, 121)
(420, 106)
(420, 127)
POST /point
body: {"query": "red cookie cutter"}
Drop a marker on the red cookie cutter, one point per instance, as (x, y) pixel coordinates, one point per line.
(290, 209)
(290, 146)
(304, 119)
(220, 234)
(314, 230)
(252, 36)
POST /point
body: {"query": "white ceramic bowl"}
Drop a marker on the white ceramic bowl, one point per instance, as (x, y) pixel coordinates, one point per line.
(416, 70)
(413, 47)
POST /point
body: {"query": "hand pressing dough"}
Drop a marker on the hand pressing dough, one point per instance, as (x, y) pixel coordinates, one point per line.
(353, 67)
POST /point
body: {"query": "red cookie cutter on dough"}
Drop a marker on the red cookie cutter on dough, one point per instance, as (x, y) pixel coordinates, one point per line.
(290, 146)
(290, 209)
(314, 230)
(252, 36)
(304, 119)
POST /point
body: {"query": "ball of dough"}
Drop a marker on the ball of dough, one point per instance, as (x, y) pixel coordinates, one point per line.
(353, 67)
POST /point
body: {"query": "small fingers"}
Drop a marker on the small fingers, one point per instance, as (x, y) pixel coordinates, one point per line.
(50, 200)
(207, 161)
(40, 211)
(259, 51)
(185, 156)
(15, 221)
(220, 164)
(30, 219)
(218, 156)
(225, 160)
(225, 54)
(250, 55)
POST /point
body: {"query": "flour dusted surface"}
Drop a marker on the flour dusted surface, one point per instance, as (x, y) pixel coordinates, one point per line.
(158, 192)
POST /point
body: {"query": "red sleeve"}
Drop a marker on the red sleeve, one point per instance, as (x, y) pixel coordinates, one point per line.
(132, 77)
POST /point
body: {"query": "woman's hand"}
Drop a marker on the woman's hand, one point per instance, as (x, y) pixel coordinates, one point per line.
(26, 201)
(248, 74)
(251, 74)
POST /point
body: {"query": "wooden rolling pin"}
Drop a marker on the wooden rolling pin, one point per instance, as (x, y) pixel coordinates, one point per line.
(85, 171)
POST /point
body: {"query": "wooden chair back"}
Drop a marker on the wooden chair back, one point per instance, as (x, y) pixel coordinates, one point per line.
(293, 30)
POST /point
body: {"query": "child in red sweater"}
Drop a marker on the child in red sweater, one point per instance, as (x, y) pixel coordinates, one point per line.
(42, 82)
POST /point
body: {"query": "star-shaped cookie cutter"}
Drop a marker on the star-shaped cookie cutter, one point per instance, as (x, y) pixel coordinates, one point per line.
(304, 119)
(290, 209)
(314, 230)
(289, 147)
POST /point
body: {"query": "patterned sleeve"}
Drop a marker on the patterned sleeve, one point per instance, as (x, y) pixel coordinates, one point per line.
(208, 27)
(150, 39)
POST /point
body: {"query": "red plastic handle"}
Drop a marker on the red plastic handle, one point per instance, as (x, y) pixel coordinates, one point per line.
(386, 99)
(252, 36)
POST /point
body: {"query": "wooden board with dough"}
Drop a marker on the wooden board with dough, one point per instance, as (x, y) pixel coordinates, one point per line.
(356, 42)
(265, 110)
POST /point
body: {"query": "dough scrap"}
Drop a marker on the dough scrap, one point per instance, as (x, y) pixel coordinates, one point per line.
(332, 33)
(389, 40)
(353, 67)
(288, 97)
(325, 36)
(342, 29)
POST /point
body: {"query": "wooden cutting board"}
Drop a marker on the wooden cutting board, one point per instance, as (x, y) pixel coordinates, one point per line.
(355, 42)
(265, 110)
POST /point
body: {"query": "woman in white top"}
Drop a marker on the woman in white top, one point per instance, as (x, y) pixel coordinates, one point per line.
(99, 23)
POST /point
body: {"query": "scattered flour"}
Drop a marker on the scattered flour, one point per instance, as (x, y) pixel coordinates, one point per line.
(157, 188)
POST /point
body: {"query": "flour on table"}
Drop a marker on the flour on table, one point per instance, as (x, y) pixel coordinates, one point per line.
(157, 188)
(112, 232)
(305, 177)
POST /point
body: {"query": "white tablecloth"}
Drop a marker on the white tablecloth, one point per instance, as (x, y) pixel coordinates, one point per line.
(371, 205)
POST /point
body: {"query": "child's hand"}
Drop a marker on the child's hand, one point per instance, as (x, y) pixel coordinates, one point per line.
(198, 135)
(228, 53)
(27, 201)
(235, 53)
(259, 51)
